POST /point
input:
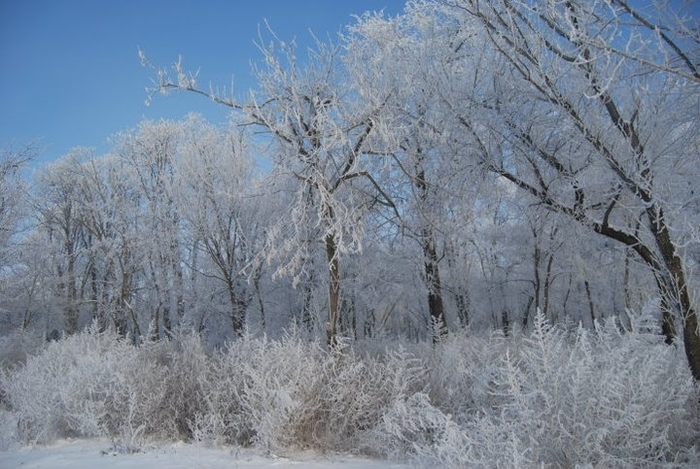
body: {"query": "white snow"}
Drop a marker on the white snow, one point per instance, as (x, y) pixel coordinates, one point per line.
(91, 454)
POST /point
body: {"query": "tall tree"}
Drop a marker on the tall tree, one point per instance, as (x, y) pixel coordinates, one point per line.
(14, 212)
(12, 192)
(222, 210)
(108, 208)
(153, 152)
(57, 210)
(590, 108)
(322, 133)
(403, 57)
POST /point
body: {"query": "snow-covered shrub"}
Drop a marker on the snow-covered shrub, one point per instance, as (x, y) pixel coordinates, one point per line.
(220, 417)
(135, 397)
(550, 397)
(89, 384)
(276, 375)
(184, 371)
(14, 350)
(66, 389)
(601, 398)
(291, 392)
(461, 371)
(412, 427)
(253, 392)
(554, 397)
(605, 398)
(351, 395)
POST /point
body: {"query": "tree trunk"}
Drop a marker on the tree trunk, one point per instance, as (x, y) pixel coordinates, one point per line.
(547, 289)
(436, 307)
(432, 277)
(538, 280)
(237, 308)
(676, 292)
(333, 290)
(591, 306)
(462, 301)
(307, 318)
(460, 293)
(505, 322)
(71, 311)
(258, 295)
(526, 314)
(691, 340)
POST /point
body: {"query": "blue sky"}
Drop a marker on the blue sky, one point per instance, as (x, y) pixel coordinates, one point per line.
(71, 74)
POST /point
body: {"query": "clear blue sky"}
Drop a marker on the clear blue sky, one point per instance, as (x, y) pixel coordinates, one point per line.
(70, 72)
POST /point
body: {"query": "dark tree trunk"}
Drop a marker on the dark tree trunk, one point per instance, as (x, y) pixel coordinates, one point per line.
(591, 306)
(436, 308)
(505, 322)
(307, 317)
(237, 309)
(333, 290)
(71, 311)
(462, 302)
(547, 288)
(432, 273)
(677, 291)
(526, 315)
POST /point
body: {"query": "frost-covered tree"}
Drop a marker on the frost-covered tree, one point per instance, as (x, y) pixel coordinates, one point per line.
(143, 238)
(590, 108)
(108, 208)
(88, 221)
(12, 196)
(57, 199)
(403, 57)
(14, 213)
(221, 203)
(321, 132)
(152, 151)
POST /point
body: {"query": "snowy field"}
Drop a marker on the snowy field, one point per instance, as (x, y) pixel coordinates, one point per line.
(91, 454)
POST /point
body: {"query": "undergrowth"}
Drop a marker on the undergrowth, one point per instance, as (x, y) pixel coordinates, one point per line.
(552, 397)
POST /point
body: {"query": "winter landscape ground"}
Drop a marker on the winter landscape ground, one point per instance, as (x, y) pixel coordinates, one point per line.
(91, 454)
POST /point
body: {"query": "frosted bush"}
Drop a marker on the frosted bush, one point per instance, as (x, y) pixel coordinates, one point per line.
(135, 399)
(352, 395)
(220, 417)
(551, 397)
(187, 372)
(605, 398)
(65, 390)
(276, 376)
(461, 371)
(413, 426)
(89, 384)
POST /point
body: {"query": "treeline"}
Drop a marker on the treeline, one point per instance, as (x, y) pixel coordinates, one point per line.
(181, 226)
(459, 165)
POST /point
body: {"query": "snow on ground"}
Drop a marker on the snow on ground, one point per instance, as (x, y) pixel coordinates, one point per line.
(91, 454)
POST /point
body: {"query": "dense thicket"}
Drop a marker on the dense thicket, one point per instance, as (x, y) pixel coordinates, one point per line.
(555, 397)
